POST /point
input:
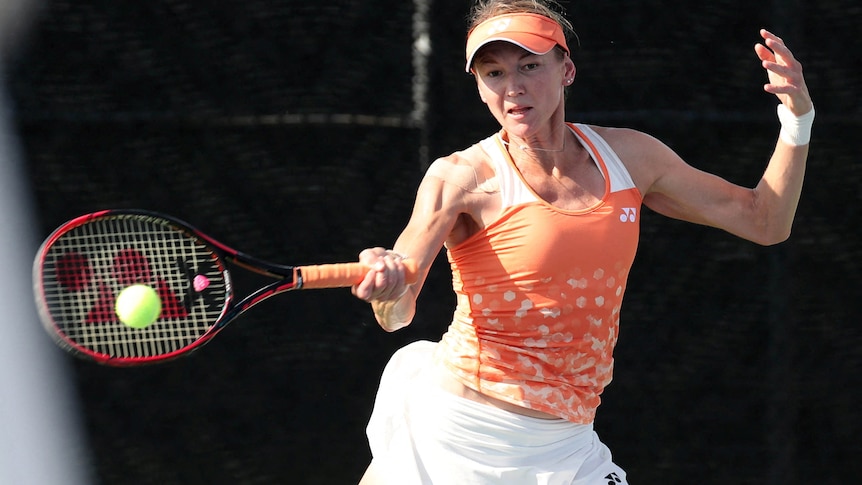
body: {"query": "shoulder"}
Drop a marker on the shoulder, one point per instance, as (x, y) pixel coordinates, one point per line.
(468, 170)
(459, 191)
(644, 156)
(626, 141)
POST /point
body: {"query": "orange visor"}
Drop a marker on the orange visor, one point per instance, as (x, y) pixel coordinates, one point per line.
(535, 33)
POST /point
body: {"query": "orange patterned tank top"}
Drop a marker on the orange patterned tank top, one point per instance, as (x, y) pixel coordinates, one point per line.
(539, 291)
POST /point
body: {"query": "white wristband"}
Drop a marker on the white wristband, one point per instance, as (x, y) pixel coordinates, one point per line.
(795, 130)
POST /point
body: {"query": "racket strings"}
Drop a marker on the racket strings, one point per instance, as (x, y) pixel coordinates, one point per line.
(87, 266)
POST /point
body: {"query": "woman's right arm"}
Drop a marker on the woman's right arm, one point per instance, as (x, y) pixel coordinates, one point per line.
(441, 203)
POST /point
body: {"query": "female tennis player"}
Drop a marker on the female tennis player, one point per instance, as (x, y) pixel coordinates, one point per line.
(540, 224)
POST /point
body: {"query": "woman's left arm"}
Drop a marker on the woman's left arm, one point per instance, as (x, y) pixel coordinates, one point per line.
(763, 214)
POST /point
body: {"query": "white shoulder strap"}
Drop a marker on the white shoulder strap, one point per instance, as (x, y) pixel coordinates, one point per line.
(513, 191)
(619, 174)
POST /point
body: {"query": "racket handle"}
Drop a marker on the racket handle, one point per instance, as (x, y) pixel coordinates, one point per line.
(339, 275)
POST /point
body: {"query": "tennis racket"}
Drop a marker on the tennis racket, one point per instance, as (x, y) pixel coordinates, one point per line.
(83, 265)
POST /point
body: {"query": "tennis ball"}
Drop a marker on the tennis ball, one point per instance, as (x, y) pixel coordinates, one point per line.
(138, 306)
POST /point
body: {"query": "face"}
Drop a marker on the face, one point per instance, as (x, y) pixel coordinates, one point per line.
(524, 91)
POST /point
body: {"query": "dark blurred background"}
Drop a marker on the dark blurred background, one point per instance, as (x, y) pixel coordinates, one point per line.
(736, 364)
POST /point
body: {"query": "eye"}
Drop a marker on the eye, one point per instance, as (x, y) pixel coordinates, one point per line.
(532, 66)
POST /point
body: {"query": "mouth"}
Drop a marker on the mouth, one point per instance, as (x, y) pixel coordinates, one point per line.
(519, 110)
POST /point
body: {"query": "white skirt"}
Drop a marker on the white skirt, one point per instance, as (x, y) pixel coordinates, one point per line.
(420, 434)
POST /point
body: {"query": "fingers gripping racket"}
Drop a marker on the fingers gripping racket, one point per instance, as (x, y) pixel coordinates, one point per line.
(83, 265)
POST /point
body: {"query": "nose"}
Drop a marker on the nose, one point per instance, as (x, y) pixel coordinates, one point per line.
(515, 87)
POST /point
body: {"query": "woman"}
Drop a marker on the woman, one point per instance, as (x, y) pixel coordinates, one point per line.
(540, 223)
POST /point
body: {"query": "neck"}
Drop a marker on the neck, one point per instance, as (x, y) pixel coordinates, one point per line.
(537, 151)
(528, 148)
(553, 140)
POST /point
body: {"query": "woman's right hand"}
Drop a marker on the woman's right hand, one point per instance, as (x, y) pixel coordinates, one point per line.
(385, 280)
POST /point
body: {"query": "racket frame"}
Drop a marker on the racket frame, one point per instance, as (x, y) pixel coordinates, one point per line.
(288, 278)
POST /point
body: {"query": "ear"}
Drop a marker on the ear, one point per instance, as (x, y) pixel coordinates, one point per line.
(569, 71)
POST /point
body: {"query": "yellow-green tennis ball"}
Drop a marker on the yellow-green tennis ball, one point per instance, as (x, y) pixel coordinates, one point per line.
(138, 306)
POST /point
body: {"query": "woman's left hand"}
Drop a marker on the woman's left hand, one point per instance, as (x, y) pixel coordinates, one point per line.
(785, 74)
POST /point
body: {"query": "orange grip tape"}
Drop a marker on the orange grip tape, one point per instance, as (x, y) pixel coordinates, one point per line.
(340, 275)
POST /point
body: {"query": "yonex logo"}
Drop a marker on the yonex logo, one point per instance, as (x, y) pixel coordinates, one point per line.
(613, 479)
(630, 214)
(499, 26)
